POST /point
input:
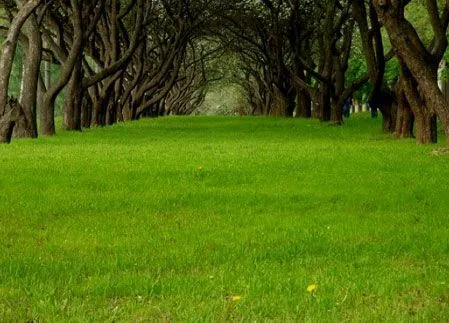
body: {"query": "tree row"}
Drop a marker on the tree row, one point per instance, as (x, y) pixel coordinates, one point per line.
(120, 60)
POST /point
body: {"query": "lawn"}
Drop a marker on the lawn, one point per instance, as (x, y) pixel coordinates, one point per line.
(224, 218)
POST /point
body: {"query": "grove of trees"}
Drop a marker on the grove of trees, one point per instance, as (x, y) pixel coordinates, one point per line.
(119, 60)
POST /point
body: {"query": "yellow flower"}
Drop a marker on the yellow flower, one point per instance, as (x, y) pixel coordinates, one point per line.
(236, 298)
(312, 288)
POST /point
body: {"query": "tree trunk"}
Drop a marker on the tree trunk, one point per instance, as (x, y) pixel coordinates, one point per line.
(424, 118)
(9, 119)
(86, 110)
(111, 113)
(6, 128)
(47, 110)
(27, 128)
(337, 114)
(373, 50)
(73, 99)
(388, 116)
(405, 118)
(338, 101)
(98, 112)
(426, 125)
(280, 103)
(127, 114)
(325, 104)
(422, 65)
(304, 105)
(9, 48)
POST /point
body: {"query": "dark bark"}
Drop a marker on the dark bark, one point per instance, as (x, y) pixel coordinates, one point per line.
(421, 62)
(9, 48)
(30, 80)
(73, 99)
(327, 63)
(426, 125)
(304, 105)
(6, 128)
(373, 50)
(86, 110)
(121, 63)
(424, 118)
(47, 109)
(98, 108)
(405, 117)
(106, 100)
(12, 116)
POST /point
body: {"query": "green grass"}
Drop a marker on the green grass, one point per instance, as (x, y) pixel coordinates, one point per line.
(167, 219)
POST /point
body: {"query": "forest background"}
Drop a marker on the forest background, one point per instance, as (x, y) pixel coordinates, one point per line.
(109, 61)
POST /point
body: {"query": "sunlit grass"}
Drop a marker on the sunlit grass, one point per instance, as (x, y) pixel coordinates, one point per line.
(224, 219)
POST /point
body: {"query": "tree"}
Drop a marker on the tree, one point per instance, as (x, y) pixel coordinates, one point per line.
(6, 63)
(73, 13)
(381, 96)
(420, 62)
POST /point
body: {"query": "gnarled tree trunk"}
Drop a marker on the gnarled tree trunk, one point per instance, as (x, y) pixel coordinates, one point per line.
(12, 116)
(421, 62)
(47, 109)
(405, 118)
(372, 44)
(9, 48)
(73, 99)
(30, 79)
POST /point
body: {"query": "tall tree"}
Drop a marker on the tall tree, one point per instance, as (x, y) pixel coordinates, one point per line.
(73, 12)
(420, 61)
(6, 64)
(381, 96)
(27, 125)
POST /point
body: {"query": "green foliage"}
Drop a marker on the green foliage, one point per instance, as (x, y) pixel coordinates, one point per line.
(224, 219)
(416, 13)
(357, 70)
(223, 99)
(224, 95)
(392, 70)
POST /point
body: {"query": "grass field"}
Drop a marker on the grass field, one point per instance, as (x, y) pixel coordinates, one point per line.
(223, 218)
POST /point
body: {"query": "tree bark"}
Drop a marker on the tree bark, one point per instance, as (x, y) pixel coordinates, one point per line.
(30, 80)
(6, 128)
(304, 105)
(47, 110)
(86, 110)
(424, 118)
(10, 119)
(9, 48)
(421, 63)
(405, 118)
(373, 50)
(73, 99)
